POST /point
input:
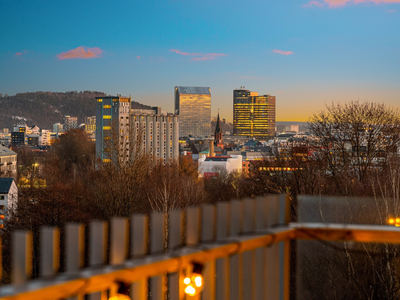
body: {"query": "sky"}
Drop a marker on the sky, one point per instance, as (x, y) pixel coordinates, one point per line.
(306, 53)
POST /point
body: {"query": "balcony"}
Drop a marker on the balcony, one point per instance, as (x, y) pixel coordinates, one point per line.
(249, 249)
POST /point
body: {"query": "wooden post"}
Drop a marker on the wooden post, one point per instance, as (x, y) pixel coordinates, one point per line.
(207, 235)
(119, 240)
(235, 261)
(98, 251)
(75, 250)
(284, 250)
(248, 257)
(157, 246)
(222, 263)
(22, 256)
(175, 240)
(139, 238)
(49, 251)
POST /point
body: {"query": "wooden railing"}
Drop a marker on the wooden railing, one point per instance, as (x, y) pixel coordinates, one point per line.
(244, 247)
(242, 244)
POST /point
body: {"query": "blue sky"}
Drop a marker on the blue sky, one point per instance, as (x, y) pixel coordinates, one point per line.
(306, 53)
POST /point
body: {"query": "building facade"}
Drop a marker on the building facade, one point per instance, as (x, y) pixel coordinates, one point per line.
(8, 162)
(193, 105)
(210, 166)
(123, 133)
(70, 123)
(253, 115)
(8, 198)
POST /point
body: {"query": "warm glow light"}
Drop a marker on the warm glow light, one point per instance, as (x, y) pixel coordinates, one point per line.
(190, 290)
(391, 221)
(198, 281)
(186, 280)
(397, 220)
(119, 297)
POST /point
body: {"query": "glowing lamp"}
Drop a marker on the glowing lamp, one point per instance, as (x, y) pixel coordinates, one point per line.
(194, 283)
(123, 292)
(391, 221)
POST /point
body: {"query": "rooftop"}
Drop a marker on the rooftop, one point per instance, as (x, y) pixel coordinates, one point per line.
(5, 185)
(4, 151)
(193, 90)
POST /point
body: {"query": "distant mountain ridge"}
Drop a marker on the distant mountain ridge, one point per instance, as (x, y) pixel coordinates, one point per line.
(47, 108)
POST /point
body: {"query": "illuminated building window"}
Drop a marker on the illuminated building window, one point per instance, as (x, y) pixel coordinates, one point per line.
(106, 117)
(99, 100)
(106, 127)
(106, 160)
(106, 106)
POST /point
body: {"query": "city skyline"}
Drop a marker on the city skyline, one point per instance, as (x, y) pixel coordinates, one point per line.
(306, 53)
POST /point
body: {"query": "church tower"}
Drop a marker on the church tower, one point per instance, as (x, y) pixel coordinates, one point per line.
(218, 134)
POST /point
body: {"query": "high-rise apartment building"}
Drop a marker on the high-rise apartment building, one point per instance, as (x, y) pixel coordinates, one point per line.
(193, 105)
(124, 132)
(70, 123)
(253, 115)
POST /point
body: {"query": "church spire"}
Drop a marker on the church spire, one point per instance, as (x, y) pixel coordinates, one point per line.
(218, 133)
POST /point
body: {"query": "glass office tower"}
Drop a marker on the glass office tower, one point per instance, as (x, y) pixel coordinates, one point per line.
(193, 105)
(253, 115)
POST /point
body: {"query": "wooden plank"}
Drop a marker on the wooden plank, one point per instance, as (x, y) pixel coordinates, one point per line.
(75, 250)
(272, 257)
(119, 241)
(75, 247)
(222, 264)
(176, 288)
(260, 254)
(22, 257)
(248, 257)
(284, 250)
(207, 223)
(157, 232)
(98, 251)
(208, 235)
(192, 226)
(139, 247)
(49, 251)
(235, 261)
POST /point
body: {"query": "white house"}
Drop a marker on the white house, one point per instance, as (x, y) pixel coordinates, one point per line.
(8, 162)
(211, 166)
(8, 198)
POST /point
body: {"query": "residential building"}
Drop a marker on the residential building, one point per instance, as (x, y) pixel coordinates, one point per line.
(253, 115)
(124, 132)
(45, 138)
(213, 166)
(156, 134)
(8, 162)
(17, 139)
(90, 124)
(70, 123)
(8, 198)
(193, 105)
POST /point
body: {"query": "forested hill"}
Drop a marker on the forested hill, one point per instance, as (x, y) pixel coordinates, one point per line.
(46, 108)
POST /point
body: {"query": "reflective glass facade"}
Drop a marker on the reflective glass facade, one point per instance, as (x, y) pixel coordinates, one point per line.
(193, 104)
(253, 115)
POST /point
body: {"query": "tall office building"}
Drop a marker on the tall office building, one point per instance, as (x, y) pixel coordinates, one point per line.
(124, 132)
(253, 115)
(193, 105)
(112, 127)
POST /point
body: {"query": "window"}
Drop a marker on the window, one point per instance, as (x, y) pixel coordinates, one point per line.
(107, 117)
(99, 100)
(106, 106)
(106, 160)
(1, 206)
(1, 197)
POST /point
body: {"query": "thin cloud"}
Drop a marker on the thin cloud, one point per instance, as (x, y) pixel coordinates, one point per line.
(202, 56)
(81, 52)
(339, 3)
(313, 3)
(391, 10)
(138, 57)
(21, 53)
(283, 52)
